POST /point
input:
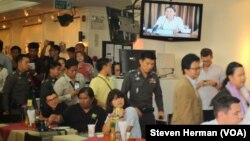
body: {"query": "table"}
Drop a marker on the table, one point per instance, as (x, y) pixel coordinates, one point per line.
(13, 132)
(80, 138)
(16, 132)
(103, 139)
(68, 138)
(2, 125)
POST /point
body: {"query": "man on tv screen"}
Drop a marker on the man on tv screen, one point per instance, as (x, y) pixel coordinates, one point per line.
(169, 24)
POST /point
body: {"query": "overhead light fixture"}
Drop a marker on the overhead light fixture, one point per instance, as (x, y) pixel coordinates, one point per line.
(25, 11)
(4, 18)
(52, 17)
(39, 20)
(5, 26)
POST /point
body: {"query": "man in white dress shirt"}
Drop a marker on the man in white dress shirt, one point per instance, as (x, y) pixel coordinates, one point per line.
(226, 109)
(209, 82)
(67, 87)
(169, 22)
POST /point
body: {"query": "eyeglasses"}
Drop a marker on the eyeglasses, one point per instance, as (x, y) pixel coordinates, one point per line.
(198, 68)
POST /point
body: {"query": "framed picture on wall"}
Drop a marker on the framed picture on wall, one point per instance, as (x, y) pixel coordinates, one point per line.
(111, 50)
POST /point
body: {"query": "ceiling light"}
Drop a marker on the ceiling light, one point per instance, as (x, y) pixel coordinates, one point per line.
(39, 20)
(52, 17)
(3, 26)
(26, 14)
(4, 18)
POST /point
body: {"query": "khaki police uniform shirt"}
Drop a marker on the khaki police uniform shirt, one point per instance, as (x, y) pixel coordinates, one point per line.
(16, 90)
(141, 89)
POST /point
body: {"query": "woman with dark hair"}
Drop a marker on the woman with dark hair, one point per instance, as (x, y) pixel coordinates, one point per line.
(85, 112)
(117, 100)
(235, 85)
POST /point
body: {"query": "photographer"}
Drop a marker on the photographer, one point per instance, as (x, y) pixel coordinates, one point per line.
(37, 68)
(67, 87)
(54, 52)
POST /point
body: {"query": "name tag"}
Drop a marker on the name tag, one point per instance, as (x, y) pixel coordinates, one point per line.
(152, 81)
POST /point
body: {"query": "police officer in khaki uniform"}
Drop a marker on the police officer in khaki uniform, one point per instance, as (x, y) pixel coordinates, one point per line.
(141, 84)
(17, 88)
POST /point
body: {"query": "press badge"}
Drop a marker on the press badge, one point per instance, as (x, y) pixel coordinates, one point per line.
(152, 81)
(137, 78)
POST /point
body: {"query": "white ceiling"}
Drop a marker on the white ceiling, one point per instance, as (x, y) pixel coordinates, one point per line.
(10, 5)
(14, 9)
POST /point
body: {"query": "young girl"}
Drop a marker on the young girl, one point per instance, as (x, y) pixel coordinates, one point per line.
(116, 99)
(85, 69)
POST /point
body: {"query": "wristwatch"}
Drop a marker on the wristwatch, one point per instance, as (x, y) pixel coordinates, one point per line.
(205, 82)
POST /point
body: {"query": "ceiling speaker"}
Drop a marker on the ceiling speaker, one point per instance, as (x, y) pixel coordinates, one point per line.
(65, 19)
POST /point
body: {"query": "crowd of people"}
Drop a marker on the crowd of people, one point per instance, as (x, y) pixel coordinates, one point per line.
(75, 92)
(206, 94)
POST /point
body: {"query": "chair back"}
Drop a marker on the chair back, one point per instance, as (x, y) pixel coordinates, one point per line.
(28, 137)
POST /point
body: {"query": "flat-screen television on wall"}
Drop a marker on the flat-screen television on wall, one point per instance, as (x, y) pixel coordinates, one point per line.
(171, 21)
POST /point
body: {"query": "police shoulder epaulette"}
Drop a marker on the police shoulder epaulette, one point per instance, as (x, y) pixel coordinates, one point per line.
(14, 72)
(153, 73)
(131, 71)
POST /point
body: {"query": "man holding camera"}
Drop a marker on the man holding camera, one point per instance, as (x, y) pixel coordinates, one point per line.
(141, 84)
(209, 82)
(54, 52)
(67, 87)
(37, 68)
